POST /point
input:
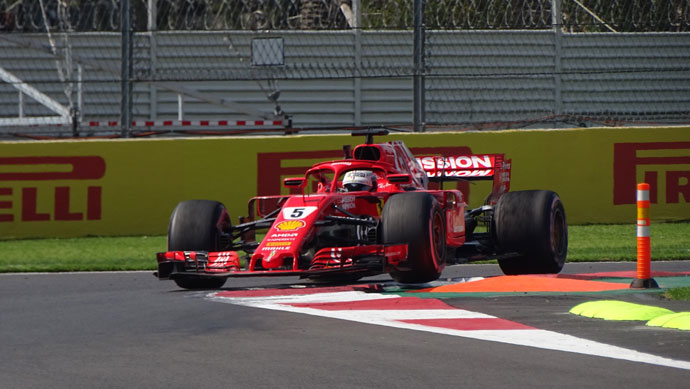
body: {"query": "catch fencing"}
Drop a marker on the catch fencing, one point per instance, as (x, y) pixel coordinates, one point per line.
(276, 66)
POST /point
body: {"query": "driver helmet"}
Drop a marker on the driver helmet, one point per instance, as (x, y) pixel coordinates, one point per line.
(359, 180)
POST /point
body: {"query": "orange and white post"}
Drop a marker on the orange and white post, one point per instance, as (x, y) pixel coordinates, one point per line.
(644, 257)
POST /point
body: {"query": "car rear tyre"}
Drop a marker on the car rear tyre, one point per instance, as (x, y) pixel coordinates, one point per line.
(532, 224)
(416, 219)
(197, 225)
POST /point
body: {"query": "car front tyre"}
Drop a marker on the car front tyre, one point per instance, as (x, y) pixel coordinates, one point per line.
(196, 225)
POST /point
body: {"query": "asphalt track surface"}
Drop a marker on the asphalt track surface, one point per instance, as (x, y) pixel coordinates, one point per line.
(128, 330)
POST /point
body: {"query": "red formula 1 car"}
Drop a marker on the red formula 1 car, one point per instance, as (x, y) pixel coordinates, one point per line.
(370, 213)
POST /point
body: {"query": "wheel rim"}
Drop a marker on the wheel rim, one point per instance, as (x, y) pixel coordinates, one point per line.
(221, 239)
(437, 239)
(558, 232)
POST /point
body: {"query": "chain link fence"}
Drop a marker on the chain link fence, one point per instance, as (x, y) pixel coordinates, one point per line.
(222, 65)
(213, 15)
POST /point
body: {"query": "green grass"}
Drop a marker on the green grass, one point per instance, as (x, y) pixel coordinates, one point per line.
(670, 241)
(678, 293)
(80, 254)
(618, 242)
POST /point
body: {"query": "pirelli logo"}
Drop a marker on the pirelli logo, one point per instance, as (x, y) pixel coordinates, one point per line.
(665, 166)
(70, 185)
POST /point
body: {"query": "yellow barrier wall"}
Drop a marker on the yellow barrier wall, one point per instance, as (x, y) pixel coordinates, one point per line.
(129, 187)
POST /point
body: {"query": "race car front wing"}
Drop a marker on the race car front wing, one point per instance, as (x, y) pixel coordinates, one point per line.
(371, 259)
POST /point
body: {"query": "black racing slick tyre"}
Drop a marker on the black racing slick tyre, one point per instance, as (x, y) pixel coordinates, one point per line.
(416, 219)
(532, 224)
(196, 225)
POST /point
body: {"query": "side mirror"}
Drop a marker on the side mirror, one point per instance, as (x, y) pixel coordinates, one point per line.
(399, 178)
(295, 182)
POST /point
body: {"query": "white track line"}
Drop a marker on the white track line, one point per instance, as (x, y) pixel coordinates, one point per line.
(537, 338)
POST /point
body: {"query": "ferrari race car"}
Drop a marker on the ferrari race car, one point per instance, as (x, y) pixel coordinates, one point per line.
(370, 213)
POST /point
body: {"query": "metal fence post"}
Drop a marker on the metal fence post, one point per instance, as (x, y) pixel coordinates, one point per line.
(21, 104)
(126, 68)
(357, 27)
(153, 57)
(556, 21)
(418, 77)
(80, 91)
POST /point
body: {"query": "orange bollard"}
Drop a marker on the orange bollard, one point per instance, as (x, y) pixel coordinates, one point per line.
(644, 278)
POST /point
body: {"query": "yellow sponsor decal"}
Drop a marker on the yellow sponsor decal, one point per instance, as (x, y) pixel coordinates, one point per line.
(278, 244)
(290, 225)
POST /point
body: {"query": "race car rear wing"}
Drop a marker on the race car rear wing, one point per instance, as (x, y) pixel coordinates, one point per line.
(475, 167)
